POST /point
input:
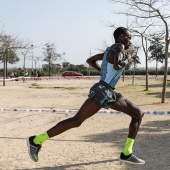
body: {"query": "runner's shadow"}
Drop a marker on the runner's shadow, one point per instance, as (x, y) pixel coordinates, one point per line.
(152, 85)
(152, 143)
(75, 166)
(158, 94)
(17, 138)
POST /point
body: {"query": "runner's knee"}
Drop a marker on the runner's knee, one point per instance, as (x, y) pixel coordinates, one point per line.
(139, 115)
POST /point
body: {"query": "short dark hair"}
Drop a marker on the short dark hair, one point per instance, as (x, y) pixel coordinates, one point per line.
(119, 31)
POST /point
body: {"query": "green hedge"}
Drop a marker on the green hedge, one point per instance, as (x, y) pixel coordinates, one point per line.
(143, 72)
(86, 72)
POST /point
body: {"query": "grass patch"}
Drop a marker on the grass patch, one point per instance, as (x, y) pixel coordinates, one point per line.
(153, 93)
(63, 88)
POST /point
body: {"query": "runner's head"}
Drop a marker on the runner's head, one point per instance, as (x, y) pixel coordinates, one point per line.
(122, 35)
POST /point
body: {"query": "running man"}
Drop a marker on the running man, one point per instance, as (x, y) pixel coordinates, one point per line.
(102, 95)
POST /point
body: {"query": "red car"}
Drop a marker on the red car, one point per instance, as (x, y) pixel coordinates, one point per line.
(71, 73)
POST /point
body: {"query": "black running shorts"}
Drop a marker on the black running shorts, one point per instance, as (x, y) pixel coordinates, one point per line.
(103, 94)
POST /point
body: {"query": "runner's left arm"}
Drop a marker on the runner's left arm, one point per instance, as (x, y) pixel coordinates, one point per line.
(92, 61)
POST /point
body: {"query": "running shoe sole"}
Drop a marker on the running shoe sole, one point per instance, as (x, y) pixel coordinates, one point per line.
(130, 162)
(131, 159)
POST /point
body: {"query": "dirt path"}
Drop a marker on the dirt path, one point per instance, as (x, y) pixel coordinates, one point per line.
(95, 145)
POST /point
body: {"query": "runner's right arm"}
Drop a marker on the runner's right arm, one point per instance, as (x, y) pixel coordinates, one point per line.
(92, 61)
(118, 50)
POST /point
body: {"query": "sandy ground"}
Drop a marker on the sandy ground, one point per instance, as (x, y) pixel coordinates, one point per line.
(95, 145)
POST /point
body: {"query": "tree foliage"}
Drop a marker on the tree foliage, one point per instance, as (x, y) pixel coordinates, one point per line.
(156, 49)
(135, 59)
(50, 54)
(65, 64)
(12, 57)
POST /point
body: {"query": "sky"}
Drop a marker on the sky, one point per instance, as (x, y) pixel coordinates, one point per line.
(77, 27)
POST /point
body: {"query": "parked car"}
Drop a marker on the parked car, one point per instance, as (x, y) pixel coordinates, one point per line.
(71, 73)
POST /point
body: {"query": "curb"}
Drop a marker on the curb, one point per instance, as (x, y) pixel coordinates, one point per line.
(149, 113)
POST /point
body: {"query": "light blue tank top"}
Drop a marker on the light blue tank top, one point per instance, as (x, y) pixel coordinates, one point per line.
(108, 73)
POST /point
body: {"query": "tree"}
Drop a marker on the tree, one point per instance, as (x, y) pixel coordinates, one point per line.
(12, 57)
(135, 59)
(156, 49)
(151, 11)
(65, 65)
(144, 41)
(72, 67)
(9, 44)
(50, 55)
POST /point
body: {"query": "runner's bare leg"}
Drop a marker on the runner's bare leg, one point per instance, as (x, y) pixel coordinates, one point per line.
(88, 109)
(124, 105)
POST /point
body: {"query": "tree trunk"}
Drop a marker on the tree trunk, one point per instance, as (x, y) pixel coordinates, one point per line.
(6, 72)
(24, 69)
(49, 69)
(133, 78)
(4, 55)
(6, 61)
(156, 68)
(165, 72)
(123, 75)
(146, 55)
